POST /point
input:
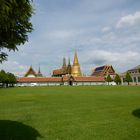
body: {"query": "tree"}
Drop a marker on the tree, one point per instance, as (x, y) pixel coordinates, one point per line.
(7, 79)
(128, 78)
(109, 79)
(117, 79)
(14, 24)
(4, 78)
(12, 79)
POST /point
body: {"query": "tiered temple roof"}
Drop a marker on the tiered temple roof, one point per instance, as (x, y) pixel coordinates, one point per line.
(103, 71)
(31, 73)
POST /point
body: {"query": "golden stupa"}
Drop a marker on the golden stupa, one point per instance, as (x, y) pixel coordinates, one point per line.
(76, 71)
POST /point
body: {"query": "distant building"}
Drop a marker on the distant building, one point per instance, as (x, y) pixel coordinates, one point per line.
(31, 73)
(104, 71)
(57, 81)
(73, 70)
(62, 71)
(66, 75)
(135, 74)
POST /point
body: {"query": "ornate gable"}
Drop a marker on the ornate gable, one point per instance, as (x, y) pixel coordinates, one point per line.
(30, 73)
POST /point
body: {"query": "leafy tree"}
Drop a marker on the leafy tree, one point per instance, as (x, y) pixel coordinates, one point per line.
(14, 24)
(12, 79)
(117, 79)
(7, 79)
(128, 78)
(4, 78)
(109, 79)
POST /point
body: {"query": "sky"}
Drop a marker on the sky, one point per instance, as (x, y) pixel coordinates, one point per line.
(101, 31)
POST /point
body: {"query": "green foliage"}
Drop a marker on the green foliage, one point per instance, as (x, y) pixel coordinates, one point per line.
(117, 79)
(109, 79)
(139, 70)
(128, 78)
(14, 24)
(71, 113)
(7, 79)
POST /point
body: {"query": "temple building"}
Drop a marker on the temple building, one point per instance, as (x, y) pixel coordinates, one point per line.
(64, 70)
(73, 70)
(31, 73)
(104, 71)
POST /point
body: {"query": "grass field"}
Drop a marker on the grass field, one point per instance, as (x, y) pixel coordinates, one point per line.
(70, 113)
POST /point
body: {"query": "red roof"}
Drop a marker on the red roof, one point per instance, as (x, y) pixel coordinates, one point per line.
(59, 79)
(39, 79)
(90, 79)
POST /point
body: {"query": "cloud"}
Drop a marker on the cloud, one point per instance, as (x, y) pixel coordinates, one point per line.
(15, 67)
(84, 25)
(129, 20)
(119, 60)
(106, 29)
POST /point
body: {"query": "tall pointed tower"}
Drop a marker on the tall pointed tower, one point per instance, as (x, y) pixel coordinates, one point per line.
(64, 67)
(76, 71)
(39, 74)
(69, 67)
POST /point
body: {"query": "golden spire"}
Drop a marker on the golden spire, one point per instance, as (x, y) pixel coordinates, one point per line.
(75, 62)
(76, 71)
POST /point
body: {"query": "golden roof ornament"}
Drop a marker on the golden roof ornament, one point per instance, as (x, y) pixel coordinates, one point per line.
(76, 71)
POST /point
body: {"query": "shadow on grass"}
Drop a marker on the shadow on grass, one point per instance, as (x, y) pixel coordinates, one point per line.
(136, 113)
(12, 130)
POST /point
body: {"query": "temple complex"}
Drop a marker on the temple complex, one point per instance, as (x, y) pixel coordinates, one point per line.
(66, 75)
(73, 70)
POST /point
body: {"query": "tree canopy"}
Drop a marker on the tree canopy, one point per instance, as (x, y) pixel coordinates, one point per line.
(117, 79)
(7, 79)
(14, 24)
(109, 79)
(128, 78)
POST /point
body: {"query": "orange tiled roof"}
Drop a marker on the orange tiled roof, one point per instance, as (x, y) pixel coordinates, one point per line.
(90, 79)
(57, 71)
(59, 79)
(39, 79)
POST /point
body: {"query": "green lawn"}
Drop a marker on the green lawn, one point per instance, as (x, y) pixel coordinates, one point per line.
(70, 113)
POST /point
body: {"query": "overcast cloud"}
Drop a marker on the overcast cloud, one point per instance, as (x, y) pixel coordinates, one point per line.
(102, 32)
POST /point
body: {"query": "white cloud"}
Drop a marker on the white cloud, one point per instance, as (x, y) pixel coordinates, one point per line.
(14, 67)
(119, 60)
(106, 29)
(129, 20)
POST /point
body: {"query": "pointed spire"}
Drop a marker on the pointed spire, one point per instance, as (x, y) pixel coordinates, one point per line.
(76, 71)
(75, 62)
(69, 62)
(64, 62)
(39, 70)
(39, 73)
(69, 67)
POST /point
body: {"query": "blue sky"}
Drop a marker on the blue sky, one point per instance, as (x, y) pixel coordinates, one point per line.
(101, 31)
